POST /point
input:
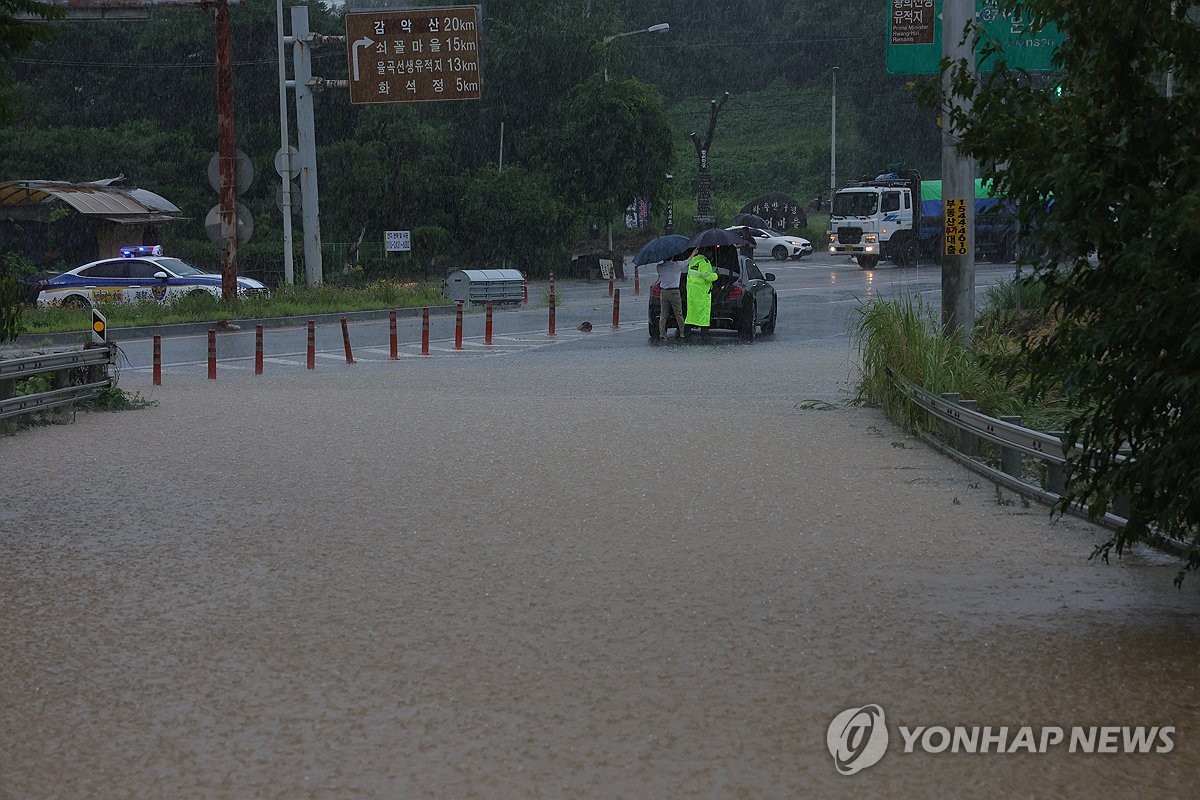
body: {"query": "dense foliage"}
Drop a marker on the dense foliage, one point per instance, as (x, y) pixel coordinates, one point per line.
(15, 38)
(108, 98)
(1108, 160)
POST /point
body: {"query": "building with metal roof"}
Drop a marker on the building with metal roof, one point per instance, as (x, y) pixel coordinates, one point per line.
(55, 221)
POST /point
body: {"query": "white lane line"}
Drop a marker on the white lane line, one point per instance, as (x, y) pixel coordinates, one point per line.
(399, 353)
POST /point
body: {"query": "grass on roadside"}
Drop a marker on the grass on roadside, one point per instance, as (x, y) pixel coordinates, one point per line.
(284, 302)
(906, 336)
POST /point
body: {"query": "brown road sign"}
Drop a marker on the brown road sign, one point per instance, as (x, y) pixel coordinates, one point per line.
(414, 55)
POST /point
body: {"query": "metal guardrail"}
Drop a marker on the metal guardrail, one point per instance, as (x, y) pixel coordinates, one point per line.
(79, 374)
(1014, 441)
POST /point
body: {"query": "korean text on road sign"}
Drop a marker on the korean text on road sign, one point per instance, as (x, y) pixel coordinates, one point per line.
(414, 55)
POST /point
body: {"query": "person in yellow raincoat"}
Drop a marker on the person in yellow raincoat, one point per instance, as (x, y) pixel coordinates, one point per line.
(700, 278)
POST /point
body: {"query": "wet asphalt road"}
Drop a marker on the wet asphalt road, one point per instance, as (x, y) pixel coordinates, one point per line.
(585, 568)
(818, 296)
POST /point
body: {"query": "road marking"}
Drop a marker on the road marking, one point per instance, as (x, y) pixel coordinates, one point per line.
(507, 344)
(399, 354)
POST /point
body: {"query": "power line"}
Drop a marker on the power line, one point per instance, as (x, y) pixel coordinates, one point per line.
(125, 65)
(754, 42)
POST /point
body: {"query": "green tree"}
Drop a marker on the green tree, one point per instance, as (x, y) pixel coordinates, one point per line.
(16, 37)
(617, 145)
(1106, 159)
(516, 221)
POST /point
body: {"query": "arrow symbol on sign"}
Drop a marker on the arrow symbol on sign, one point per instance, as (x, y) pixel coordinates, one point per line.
(363, 42)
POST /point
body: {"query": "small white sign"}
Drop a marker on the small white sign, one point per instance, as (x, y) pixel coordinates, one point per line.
(398, 241)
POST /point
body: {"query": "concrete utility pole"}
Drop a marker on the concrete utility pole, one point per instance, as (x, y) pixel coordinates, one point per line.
(307, 145)
(958, 183)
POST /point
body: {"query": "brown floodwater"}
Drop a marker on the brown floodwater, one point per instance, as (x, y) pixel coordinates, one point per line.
(578, 582)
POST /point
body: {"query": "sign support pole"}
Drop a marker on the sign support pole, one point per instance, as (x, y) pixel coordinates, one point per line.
(289, 275)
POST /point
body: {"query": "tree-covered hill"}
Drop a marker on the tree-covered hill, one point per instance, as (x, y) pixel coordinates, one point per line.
(138, 98)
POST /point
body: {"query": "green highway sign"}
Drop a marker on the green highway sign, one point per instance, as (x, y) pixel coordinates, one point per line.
(914, 38)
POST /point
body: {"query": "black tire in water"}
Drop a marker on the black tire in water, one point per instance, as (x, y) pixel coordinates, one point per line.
(768, 327)
(746, 321)
(906, 252)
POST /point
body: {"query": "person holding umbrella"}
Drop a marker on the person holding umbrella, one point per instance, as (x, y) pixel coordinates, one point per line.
(669, 273)
(700, 279)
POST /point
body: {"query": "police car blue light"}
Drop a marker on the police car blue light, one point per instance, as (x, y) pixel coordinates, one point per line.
(137, 278)
(129, 251)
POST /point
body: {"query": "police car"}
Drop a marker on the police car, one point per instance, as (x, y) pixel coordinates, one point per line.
(142, 273)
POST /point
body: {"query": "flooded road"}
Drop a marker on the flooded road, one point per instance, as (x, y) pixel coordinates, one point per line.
(576, 572)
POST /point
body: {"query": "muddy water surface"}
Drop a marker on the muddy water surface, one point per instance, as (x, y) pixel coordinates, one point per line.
(566, 578)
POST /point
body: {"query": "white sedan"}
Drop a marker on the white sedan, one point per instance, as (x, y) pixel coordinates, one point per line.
(779, 246)
(135, 279)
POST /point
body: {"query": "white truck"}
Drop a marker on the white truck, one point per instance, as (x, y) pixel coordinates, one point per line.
(878, 219)
(899, 216)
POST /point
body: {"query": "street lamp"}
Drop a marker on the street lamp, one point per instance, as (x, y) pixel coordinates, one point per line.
(661, 27)
(833, 142)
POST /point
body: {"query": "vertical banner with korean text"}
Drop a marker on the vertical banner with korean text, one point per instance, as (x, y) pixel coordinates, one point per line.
(958, 236)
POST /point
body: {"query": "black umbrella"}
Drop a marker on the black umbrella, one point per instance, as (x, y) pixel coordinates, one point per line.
(753, 220)
(716, 237)
(661, 249)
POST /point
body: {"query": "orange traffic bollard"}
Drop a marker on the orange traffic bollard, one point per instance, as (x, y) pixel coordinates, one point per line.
(346, 341)
(393, 345)
(637, 280)
(158, 361)
(312, 344)
(487, 325)
(212, 354)
(258, 349)
(425, 331)
(458, 312)
(617, 309)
